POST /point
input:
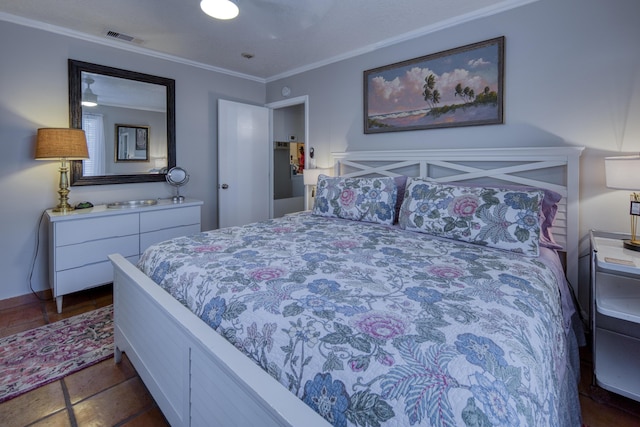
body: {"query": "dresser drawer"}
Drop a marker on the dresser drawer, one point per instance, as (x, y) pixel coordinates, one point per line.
(148, 239)
(81, 254)
(86, 230)
(175, 217)
(89, 276)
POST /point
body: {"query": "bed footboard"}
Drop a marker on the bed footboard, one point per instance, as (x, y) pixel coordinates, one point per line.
(196, 376)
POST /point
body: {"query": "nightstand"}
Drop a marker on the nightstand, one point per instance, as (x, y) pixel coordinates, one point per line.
(615, 314)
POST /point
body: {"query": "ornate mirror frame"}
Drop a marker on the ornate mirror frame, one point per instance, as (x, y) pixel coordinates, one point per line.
(75, 115)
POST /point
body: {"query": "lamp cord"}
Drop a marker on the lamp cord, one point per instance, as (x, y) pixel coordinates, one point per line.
(35, 256)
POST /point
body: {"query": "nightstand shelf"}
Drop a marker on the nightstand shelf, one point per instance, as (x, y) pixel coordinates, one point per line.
(618, 371)
(615, 314)
(620, 299)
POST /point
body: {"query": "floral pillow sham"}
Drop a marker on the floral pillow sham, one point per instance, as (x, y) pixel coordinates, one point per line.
(499, 218)
(358, 199)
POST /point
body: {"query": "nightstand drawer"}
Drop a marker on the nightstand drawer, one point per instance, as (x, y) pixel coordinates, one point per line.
(72, 256)
(86, 230)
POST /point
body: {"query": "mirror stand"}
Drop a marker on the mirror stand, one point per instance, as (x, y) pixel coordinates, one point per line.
(177, 177)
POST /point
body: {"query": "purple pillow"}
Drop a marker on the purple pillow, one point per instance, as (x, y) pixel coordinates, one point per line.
(547, 216)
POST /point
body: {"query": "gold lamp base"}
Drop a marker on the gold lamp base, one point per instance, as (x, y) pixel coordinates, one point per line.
(633, 243)
(63, 191)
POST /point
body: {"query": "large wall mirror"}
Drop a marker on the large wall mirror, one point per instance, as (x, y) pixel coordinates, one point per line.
(129, 120)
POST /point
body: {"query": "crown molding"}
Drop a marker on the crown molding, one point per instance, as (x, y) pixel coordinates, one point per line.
(481, 13)
(120, 45)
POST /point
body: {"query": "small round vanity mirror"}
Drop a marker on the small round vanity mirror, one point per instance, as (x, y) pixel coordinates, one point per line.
(177, 177)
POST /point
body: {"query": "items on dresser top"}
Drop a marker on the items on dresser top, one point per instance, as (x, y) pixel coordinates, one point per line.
(80, 241)
(132, 204)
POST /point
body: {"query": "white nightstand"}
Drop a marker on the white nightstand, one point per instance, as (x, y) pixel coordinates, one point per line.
(615, 314)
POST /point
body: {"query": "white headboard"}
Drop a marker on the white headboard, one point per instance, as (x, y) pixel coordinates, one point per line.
(554, 168)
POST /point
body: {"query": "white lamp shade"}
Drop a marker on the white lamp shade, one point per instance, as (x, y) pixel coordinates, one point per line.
(623, 173)
(220, 9)
(310, 176)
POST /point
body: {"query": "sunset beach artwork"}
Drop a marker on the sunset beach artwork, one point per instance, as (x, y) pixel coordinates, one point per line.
(457, 87)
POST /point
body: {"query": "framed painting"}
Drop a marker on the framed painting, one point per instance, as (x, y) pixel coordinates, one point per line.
(456, 87)
(132, 143)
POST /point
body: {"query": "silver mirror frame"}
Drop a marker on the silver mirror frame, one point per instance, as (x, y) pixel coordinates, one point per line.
(177, 183)
(75, 117)
(178, 171)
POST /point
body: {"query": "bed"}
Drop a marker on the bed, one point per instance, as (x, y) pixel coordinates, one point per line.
(348, 318)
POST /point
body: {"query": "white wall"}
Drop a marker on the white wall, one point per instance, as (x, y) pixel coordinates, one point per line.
(34, 94)
(572, 77)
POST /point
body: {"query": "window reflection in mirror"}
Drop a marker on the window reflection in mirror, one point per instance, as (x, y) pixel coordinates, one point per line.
(121, 98)
(141, 106)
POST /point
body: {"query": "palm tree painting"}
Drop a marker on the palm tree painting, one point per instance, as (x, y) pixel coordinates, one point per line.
(457, 87)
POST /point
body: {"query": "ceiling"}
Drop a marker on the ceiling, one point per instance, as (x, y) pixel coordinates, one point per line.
(283, 37)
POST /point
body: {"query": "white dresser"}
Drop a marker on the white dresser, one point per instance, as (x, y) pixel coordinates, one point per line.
(80, 241)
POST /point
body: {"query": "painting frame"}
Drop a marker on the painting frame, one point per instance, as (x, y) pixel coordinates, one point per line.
(131, 143)
(469, 79)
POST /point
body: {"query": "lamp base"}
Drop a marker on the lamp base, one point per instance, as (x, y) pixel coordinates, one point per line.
(63, 209)
(63, 191)
(631, 244)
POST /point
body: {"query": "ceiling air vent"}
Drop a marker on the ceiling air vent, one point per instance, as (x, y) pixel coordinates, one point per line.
(124, 37)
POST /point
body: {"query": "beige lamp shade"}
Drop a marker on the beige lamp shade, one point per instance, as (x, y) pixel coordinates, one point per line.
(310, 176)
(61, 143)
(623, 173)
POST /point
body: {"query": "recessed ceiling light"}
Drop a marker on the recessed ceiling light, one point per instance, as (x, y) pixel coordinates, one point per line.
(220, 9)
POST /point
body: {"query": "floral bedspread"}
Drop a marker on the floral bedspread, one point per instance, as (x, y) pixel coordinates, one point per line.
(371, 325)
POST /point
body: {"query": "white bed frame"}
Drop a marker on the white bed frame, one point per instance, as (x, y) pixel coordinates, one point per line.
(199, 379)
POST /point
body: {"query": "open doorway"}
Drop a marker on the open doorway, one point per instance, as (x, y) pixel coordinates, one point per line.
(245, 179)
(288, 185)
(290, 155)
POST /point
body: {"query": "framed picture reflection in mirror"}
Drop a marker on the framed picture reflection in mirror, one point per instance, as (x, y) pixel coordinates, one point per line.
(132, 143)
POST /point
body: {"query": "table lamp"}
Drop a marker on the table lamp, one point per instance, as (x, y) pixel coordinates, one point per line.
(62, 144)
(310, 178)
(623, 173)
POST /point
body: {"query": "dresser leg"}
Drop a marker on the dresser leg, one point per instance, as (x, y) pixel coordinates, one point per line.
(59, 304)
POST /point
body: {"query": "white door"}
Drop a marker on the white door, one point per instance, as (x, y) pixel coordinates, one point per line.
(244, 149)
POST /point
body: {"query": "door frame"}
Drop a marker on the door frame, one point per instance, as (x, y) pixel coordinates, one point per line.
(299, 100)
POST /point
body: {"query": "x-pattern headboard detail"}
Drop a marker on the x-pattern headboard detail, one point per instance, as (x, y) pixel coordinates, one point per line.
(553, 168)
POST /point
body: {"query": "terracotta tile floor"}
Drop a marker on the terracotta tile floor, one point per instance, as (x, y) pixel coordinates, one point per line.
(107, 394)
